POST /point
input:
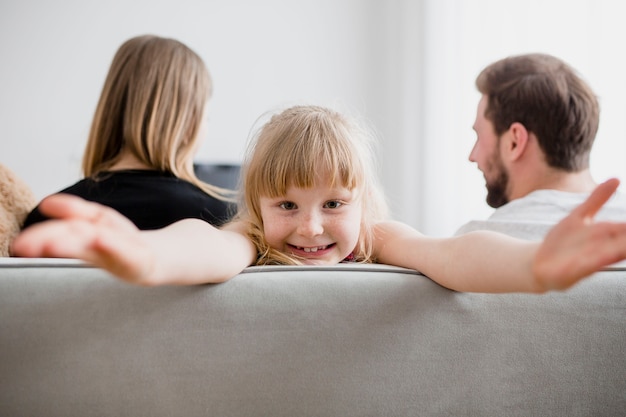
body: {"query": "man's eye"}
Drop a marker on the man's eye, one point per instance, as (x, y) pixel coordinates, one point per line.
(333, 204)
(287, 205)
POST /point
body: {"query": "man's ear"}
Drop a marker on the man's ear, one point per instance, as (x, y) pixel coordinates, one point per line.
(517, 141)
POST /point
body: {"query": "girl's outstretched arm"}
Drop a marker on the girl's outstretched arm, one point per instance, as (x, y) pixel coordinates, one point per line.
(492, 262)
(187, 252)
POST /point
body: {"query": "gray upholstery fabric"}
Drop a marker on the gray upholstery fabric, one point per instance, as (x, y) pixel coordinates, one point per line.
(348, 340)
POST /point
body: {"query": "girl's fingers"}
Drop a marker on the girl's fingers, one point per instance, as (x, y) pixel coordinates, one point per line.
(598, 245)
(600, 195)
(54, 238)
(74, 230)
(70, 207)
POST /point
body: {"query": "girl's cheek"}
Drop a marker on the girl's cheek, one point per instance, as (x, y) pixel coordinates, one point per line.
(271, 230)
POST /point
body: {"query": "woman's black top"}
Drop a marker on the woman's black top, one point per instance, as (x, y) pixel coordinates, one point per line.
(150, 199)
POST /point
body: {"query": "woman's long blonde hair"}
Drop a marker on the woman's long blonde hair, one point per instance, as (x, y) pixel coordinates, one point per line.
(291, 149)
(152, 105)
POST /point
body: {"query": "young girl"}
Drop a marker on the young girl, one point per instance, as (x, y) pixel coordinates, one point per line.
(146, 130)
(310, 196)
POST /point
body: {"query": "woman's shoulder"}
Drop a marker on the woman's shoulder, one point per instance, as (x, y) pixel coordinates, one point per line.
(131, 185)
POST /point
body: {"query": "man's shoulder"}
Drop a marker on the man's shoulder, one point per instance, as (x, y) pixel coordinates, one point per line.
(543, 206)
(530, 217)
(519, 229)
(550, 206)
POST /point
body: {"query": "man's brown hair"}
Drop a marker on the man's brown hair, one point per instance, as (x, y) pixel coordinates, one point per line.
(550, 99)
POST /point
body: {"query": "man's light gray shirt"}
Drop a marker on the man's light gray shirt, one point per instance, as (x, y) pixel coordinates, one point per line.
(531, 217)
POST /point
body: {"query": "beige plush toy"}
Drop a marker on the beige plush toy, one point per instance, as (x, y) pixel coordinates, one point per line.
(16, 201)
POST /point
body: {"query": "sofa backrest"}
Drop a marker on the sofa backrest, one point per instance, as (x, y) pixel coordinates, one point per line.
(349, 340)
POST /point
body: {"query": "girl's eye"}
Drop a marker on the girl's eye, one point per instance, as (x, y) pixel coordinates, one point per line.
(333, 204)
(287, 205)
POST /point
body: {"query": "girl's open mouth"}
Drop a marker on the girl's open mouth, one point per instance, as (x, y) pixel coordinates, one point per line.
(310, 250)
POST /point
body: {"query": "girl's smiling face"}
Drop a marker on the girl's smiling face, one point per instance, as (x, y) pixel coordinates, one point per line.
(321, 225)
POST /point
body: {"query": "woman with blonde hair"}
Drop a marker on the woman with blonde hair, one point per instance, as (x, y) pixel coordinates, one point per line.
(146, 130)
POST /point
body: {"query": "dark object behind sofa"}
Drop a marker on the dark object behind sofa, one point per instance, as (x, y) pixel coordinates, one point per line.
(222, 175)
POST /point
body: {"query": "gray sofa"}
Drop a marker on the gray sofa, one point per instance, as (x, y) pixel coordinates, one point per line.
(348, 340)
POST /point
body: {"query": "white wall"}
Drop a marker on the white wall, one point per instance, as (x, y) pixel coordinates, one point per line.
(461, 37)
(407, 66)
(261, 54)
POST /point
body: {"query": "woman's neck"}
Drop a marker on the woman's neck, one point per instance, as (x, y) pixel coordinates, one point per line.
(128, 161)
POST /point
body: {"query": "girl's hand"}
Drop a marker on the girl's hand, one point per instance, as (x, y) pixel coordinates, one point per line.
(577, 246)
(89, 231)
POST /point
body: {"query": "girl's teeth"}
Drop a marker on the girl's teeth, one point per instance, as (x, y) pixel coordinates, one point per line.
(314, 249)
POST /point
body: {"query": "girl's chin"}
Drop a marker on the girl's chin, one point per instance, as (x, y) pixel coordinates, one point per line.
(327, 256)
(318, 262)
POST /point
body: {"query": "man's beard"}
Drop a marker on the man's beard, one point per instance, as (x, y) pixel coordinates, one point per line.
(496, 191)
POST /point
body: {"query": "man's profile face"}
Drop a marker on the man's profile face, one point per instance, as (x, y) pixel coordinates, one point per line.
(486, 155)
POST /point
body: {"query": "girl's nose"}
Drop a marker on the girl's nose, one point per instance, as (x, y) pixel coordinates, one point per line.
(311, 225)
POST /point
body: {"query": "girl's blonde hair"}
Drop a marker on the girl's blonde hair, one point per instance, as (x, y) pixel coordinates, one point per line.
(291, 149)
(152, 105)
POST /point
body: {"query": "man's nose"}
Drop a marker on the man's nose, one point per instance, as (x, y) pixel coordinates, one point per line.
(472, 155)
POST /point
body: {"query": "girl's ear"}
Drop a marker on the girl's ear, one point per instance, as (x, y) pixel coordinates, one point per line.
(517, 141)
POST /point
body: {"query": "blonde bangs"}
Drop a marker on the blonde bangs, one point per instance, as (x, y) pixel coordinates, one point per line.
(298, 154)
